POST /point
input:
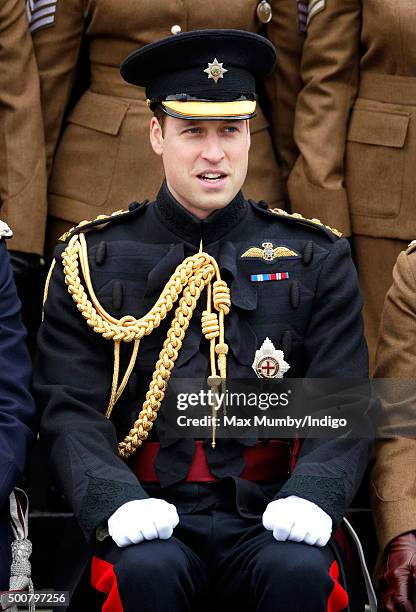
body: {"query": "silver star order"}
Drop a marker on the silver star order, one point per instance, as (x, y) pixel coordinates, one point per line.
(215, 70)
(267, 350)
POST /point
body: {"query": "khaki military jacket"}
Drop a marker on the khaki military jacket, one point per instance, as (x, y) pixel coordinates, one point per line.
(22, 152)
(393, 484)
(99, 156)
(355, 120)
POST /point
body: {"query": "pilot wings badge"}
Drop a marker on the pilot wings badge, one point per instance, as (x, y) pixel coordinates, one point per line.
(269, 362)
(269, 252)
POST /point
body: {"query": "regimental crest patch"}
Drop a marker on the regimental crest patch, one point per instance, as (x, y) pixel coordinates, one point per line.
(40, 13)
(269, 252)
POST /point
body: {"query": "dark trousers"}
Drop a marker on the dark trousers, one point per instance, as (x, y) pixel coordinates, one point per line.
(5, 549)
(218, 560)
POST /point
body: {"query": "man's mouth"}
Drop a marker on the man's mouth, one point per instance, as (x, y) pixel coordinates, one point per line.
(212, 177)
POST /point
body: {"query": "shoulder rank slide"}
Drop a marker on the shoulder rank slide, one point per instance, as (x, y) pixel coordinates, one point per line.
(40, 13)
(315, 7)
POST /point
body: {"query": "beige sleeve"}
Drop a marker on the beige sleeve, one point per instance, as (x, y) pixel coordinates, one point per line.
(329, 71)
(57, 48)
(285, 83)
(393, 479)
(22, 151)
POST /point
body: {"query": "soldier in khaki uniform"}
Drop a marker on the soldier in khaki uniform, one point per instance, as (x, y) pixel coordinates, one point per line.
(99, 157)
(22, 154)
(393, 477)
(356, 134)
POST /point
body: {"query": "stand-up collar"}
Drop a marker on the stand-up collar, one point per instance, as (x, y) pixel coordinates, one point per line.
(191, 229)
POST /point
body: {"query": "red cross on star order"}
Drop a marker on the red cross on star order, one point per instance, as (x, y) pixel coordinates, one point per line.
(268, 367)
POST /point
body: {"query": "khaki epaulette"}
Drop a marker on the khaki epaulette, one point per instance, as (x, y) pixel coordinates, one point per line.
(316, 224)
(102, 220)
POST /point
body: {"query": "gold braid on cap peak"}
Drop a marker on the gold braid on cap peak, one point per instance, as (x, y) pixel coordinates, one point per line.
(190, 278)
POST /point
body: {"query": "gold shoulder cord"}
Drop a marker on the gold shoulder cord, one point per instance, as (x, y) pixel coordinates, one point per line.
(280, 211)
(190, 278)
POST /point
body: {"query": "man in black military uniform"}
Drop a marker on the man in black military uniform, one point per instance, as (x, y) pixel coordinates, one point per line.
(169, 520)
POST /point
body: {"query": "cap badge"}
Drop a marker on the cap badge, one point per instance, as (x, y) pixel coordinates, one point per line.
(269, 252)
(215, 70)
(269, 362)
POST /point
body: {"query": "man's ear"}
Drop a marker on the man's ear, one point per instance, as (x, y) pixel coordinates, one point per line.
(156, 136)
(248, 135)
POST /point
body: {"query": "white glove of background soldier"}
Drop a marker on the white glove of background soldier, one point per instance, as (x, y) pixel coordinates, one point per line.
(298, 520)
(142, 519)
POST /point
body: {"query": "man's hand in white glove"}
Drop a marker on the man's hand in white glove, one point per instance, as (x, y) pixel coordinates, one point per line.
(299, 520)
(142, 519)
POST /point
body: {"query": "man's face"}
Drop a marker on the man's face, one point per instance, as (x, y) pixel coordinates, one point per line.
(205, 162)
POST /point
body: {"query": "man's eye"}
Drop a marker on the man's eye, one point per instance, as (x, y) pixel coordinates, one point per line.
(194, 130)
(230, 129)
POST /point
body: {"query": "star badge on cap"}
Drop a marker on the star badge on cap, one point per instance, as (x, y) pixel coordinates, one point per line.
(215, 70)
(269, 362)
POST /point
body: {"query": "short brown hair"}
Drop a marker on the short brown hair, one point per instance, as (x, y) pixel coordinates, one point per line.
(160, 116)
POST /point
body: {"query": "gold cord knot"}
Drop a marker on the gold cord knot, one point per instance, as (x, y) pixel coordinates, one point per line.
(221, 349)
(221, 296)
(209, 324)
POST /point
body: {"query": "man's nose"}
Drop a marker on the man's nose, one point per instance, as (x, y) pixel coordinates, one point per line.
(213, 150)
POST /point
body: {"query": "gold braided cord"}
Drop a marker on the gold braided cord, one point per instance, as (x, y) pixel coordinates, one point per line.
(114, 382)
(213, 328)
(190, 278)
(129, 370)
(164, 366)
(210, 328)
(46, 288)
(128, 328)
(116, 390)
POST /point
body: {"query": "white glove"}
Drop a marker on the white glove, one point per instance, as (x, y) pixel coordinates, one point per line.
(142, 519)
(299, 520)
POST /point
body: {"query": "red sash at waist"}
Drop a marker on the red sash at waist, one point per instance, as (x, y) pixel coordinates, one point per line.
(263, 462)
